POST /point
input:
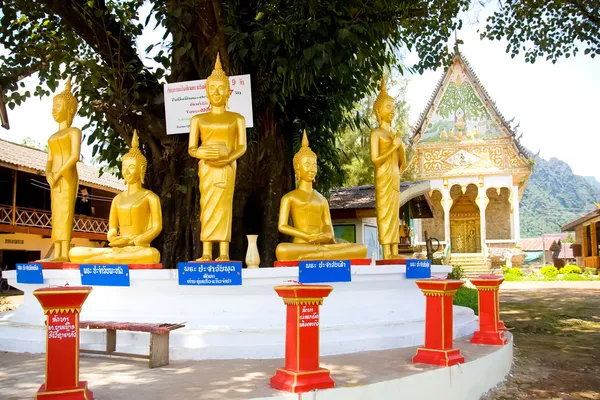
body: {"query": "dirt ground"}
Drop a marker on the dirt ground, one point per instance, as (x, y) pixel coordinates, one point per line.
(557, 340)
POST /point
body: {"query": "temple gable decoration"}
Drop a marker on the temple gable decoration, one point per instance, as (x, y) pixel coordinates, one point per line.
(461, 132)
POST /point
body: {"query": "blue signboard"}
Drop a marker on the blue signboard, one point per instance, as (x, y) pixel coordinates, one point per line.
(104, 274)
(30, 273)
(418, 269)
(227, 273)
(324, 271)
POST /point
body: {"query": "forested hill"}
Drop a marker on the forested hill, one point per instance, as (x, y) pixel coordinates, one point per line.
(555, 196)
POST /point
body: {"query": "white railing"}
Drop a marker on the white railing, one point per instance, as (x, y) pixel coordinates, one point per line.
(43, 219)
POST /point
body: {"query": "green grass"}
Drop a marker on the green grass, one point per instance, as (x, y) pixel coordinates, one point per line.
(467, 297)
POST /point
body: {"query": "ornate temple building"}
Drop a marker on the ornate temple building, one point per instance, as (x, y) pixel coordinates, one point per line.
(476, 166)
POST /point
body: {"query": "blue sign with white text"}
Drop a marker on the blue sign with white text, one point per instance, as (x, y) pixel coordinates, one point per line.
(29, 273)
(324, 271)
(228, 273)
(104, 274)
(418, 269)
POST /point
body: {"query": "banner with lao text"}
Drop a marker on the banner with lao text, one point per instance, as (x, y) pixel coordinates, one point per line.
(183, 100)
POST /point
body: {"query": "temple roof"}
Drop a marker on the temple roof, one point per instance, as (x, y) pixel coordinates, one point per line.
(419, 128)
(363, 197)
(34, 161)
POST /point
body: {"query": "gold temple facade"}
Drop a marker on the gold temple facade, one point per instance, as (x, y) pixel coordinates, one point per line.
(477, 169)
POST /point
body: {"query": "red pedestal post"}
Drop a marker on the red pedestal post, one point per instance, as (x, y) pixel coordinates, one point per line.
(62, 306)
(302, 371)
(491, 329)
(438, 323)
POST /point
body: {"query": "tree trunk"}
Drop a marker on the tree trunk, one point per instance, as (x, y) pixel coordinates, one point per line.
(263, 176)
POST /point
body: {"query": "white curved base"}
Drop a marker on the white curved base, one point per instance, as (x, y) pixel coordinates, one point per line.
(380, 309)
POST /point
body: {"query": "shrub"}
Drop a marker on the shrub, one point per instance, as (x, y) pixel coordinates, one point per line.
(467, 297)
(457, 272)
(516, 271)
(549, 272)
(570, 269)
(588, 271)
(572, 277)
(437, 261)
(513, 274)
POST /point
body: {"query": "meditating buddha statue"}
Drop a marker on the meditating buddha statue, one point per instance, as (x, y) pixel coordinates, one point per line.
(135, 220)
(223, 140)
(311, 227)
(387, 153)
(61, 172)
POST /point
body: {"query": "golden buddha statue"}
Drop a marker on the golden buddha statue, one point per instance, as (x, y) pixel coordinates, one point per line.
(312, 228)
(61, 172)
(387, 153)
(223, 140)
(135, 219)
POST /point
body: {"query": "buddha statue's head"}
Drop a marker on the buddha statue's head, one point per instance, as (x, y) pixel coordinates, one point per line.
(217, 85)
(134, 163)
(64, 105)
(305, 162)
(384, 107)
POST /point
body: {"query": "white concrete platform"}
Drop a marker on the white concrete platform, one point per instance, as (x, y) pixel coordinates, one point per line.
(380, 375)
(380, 309)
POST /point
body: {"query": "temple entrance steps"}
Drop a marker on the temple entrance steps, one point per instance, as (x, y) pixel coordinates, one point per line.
(473, 264)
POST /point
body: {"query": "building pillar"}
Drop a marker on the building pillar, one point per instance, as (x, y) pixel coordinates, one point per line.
(594, 239)
(14, 199)
(516, 221)
(482, 202)
(446, 205)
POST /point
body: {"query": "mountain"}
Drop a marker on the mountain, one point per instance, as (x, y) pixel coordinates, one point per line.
(555, 196)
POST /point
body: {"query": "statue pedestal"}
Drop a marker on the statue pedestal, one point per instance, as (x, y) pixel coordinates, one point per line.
(354, 263)
(396, 261)
(438, 323)
(491, 329)
(62, 306)
(49, 264)
(302, 372)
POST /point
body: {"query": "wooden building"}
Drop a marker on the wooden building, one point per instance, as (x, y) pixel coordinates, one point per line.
(25, 220)
(587, 234)
(476, 166)
(354, 218)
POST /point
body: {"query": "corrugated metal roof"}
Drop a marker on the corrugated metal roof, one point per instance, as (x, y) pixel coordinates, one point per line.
(34, 159)
(545, 243)
(360, 197)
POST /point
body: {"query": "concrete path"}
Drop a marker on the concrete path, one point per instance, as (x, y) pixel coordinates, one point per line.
(532, 285)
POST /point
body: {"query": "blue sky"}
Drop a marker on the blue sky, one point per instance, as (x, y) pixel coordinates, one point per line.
(556, 104)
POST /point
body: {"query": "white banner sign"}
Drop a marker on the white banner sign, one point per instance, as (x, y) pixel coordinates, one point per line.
(183, 100)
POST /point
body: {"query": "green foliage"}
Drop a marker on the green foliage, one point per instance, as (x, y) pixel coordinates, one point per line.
(30, 142)
(549, 28)
(588, 271)
(467, 297)
(457, 272)
(570, 238)
(513, 274)
(553, 197)
(549, 272)
(572, 277)
(570, 269)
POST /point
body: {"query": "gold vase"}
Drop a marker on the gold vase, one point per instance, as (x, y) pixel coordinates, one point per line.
(252, 256)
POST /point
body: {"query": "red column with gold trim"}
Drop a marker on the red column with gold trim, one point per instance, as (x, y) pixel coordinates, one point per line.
(302, 371)
(62, 306)
(491, 329)
(438, 323)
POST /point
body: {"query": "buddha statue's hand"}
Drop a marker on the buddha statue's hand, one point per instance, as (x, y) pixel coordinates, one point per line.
(319, 238)
(205, 153)
(397, 141)
(119, 242)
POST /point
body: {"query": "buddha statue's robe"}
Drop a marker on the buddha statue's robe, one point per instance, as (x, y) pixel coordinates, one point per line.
(64, 192)
(310, 214)
(135, 216)
(387, 194)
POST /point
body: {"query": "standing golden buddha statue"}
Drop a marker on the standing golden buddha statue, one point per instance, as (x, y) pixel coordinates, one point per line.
(222, 135)
(387, 153)
(61, 172)
(135, 219)
(312, 228)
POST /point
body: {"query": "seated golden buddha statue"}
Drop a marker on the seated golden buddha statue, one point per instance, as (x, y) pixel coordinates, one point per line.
(135, 220)
(312, 228)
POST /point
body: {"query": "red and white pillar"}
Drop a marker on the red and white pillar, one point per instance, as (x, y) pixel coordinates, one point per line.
(491, 329)
(62, 306)
(302, 371)
(438, 323)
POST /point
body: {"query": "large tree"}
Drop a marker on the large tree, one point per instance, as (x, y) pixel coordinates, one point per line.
(546, 28)
(310, 62)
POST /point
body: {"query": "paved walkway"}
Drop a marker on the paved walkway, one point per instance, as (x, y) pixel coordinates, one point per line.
(125, 379)
(550, 285)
